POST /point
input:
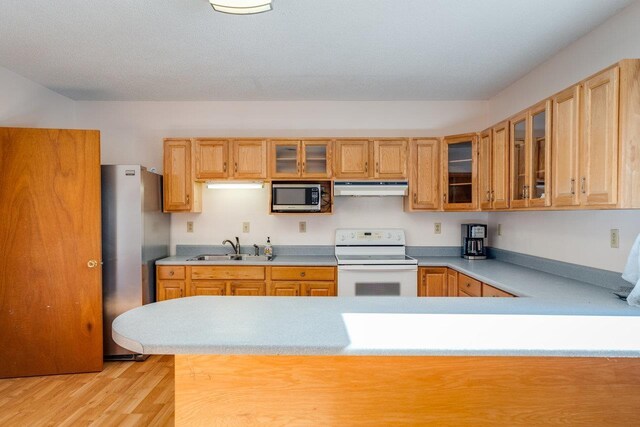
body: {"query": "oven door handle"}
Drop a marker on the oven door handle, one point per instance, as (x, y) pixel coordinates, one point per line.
(389, 267)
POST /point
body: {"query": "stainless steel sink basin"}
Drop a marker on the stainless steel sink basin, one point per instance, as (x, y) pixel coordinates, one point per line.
(229, 257)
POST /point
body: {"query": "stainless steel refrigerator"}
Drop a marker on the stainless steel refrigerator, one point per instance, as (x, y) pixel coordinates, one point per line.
(135, 233)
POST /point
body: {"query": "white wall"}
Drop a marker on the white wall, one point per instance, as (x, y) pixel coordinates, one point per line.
(24, 103)
(576, 237)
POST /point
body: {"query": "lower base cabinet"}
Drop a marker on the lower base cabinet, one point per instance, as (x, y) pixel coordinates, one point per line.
(447, 282)
(181, 281)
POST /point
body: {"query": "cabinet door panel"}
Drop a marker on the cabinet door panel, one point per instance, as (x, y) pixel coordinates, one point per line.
(460, 174)
(249, 159)
(285, 159)
(212, 158)
(170, 289)
(519, 144)
(215, 288)
(433, 282)
(352, 159)
(302, 273)
(452, 282)
(500, 166)
(484, 170)
(318, 289)
(252, 289)
(599, 160)
(390, 159)
(564, 142)
(284, 289)
(540, 154)
(177, 176)
(227, 272)
(316, 159)
(425, 174)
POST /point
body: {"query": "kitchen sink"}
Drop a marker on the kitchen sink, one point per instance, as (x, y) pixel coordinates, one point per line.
(229, 257)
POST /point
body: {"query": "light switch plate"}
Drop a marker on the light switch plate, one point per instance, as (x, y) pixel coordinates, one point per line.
(246, 226)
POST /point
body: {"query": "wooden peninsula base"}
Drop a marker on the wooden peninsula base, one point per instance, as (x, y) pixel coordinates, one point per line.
(376, 390)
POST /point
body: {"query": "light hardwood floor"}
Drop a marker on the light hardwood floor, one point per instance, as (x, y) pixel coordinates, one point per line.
(123, 394)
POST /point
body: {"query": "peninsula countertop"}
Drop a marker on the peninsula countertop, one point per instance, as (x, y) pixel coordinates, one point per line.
(554, 316)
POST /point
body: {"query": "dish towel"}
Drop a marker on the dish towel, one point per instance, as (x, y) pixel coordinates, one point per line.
(632, 273)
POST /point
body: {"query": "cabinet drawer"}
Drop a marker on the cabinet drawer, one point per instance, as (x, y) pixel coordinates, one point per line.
(469, 286)
(302, 273)
(225, 272)
(490, 291)
(170, 272)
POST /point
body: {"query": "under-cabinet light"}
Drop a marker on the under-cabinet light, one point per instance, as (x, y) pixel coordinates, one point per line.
(227, 185)
(241, 7)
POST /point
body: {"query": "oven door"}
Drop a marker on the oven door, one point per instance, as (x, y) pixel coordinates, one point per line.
(378, 280)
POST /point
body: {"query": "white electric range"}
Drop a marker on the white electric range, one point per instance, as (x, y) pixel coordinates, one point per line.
(372, 262)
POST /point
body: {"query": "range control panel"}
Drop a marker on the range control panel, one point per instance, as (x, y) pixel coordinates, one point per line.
(370, 237)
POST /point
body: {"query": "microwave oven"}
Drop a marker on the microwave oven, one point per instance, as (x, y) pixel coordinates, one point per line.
(304, 197)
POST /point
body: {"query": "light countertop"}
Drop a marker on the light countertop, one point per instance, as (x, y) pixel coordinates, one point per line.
(310, 260)
(555, 316)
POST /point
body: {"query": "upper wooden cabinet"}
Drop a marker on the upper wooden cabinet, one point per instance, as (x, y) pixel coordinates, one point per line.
(460, 172)
(358, 158)
(493, 167)
(230, 159)
(424, 175)
(300, 159)
(531, 157)
(181, 193)
(564, 142)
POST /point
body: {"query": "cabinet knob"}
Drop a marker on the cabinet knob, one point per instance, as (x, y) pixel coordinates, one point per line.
(377, 168)
(492, 199)
(92, 263)
(468, 285)
(171, 273)
(573, 185)
(302, 167)
(583, 182)
(235, 167)
(302, 274)
(444, 198)
(488, 196)
(188, 199)
(415, 197)
(224, 167)
(366, 166)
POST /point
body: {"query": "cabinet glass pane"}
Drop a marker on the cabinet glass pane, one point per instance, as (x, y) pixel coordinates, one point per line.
(538, 159)
(287, 159)
(519, 158)
(460, 168)
(315, 159)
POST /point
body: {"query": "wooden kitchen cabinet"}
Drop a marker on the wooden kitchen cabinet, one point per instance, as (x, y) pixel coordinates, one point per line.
(452, 282)
(301, 159)
(354, 158)
(490, 291)
(493, 169)
(170, 289)
(249, 159)
(181, 192)
(304, 281)
(212, 158)
(460, 172)
(390, 159)
(531, 157)
(468, 286)
(433, 282)
(246, 288)
(424, 175)
(208, 288)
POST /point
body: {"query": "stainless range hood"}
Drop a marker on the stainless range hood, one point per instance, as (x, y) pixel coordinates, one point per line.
(370, 188)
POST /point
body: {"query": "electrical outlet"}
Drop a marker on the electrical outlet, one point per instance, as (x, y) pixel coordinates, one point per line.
(615, 238)
(189, 226)
(302, 226)
(437, 228)
(246, 226)
(499, 229)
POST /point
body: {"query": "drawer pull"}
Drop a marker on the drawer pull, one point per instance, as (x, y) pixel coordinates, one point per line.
(468, 285)
(302, 274)
(171, 273)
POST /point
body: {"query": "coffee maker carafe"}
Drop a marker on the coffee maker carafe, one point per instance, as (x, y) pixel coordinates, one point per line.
(473, 241)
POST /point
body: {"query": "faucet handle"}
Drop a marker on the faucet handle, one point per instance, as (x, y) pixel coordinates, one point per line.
(256, 249)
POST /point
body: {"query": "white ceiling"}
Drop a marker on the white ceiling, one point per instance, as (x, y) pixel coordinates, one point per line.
(302, 50)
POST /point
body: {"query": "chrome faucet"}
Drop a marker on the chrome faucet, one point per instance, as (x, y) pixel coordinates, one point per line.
(236, 247)
(256, 250)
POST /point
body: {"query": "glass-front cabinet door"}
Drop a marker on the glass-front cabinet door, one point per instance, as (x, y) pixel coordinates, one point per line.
(301, 159)
(460, 174)
(316, 159)
(540, 118)
(285, 157)
(519, 161)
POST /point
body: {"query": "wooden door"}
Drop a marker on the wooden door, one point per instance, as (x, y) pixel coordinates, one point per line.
(500, 166)
(50, 247)
(210, 288)
(433, 282)
(250, 159)
(599, 148)
(352, 159)
(452, 283)
(178, 179)
(484, 170)
(170, 289)
(284, 289)
(390, 159)
(244, 288)
(318, 289)
(425, 174)
(316, 159)
(519, 143)
(564, 142)
(212, 158)
(460, 174)
(285, 159)
(540, 154)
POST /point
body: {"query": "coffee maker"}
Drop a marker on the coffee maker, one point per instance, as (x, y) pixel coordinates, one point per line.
(473, 241)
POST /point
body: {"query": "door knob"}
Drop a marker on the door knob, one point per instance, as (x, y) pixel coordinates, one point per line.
(92, 263)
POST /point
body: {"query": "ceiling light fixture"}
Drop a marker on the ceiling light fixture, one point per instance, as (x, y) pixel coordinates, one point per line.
(235, 184)
(241, 7)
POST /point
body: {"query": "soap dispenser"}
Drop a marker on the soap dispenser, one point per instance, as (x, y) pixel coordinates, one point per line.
(268, 249)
